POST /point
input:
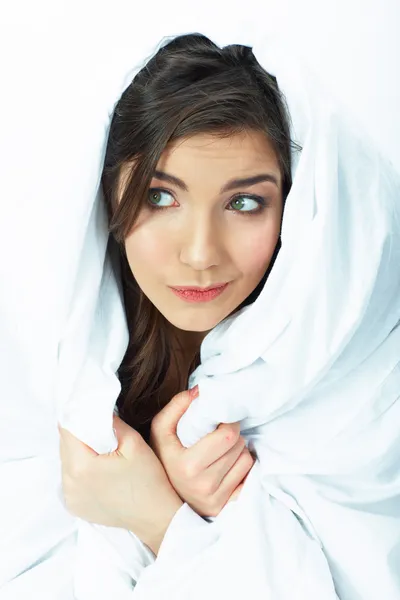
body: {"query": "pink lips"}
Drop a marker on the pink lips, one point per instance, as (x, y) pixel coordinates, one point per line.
(191, 294)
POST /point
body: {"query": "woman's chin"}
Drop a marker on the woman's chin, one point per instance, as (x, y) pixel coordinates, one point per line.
(195, 324)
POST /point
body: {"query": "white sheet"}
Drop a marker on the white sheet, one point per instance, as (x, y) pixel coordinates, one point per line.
(61, 85)
(312, 371)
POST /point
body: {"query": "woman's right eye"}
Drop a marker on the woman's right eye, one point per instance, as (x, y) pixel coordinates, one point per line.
(160, 198)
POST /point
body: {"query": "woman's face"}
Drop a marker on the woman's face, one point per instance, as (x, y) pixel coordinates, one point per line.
(204, 225)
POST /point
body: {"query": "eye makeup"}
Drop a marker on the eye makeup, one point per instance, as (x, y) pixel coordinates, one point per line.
(260, 201)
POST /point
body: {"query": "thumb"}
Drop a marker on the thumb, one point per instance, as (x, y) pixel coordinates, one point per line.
(166, 421)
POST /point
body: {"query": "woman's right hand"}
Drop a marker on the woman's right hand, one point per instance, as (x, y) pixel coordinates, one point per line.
(211, 472)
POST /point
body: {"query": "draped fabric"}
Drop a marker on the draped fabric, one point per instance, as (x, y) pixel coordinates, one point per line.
(312, 371)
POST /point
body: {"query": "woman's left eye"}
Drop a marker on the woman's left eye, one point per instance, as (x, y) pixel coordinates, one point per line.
(247, 204)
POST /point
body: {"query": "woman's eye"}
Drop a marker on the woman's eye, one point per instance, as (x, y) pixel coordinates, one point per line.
(246, 204)
(160, 198)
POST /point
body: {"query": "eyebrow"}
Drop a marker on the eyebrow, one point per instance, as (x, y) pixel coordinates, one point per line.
(229, 186)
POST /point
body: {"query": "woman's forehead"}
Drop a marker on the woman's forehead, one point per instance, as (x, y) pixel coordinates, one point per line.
(214, 157)
(223, 156)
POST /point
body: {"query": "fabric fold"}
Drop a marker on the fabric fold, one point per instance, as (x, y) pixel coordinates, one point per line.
(311, 370)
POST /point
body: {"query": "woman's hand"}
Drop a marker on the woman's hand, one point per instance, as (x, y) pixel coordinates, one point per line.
(127, 488)
(208, 474)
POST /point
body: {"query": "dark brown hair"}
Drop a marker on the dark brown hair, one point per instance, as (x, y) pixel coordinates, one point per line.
(190, 86)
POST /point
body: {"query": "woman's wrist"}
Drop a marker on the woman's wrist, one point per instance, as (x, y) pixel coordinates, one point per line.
(161, 523)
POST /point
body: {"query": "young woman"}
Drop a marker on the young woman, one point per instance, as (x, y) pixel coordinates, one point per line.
(197, 171)
(196, 175)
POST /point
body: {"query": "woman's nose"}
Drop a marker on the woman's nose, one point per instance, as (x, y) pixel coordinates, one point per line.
(201, 246)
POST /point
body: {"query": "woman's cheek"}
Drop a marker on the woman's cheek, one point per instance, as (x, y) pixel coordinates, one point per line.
(147, 248)
(255, 254)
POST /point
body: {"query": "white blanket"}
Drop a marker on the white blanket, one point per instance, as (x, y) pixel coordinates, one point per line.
(312, 371)
(327, 456)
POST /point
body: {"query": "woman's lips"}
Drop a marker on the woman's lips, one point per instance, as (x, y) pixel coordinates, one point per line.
(191, 294)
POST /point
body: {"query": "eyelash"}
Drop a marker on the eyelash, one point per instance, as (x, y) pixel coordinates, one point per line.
(262, 202)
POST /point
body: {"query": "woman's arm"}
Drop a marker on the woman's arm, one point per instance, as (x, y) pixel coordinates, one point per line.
(132, 489)
(127, 488)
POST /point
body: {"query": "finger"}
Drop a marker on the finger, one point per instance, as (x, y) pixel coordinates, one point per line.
(236, 475)
(165, 422)
(236, 493)
(239, 488)
(214, 445)
(218, 469)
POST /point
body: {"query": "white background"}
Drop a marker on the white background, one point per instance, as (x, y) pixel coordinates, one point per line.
(353, 44)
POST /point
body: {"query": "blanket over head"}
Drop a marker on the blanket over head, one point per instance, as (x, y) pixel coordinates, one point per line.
(312, 371)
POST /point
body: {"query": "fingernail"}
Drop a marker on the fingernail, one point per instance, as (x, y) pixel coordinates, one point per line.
(193, 392)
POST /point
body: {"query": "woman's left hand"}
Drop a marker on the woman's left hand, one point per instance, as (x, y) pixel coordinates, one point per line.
(127, 488)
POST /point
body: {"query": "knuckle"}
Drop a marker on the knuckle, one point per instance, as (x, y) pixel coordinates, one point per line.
(241, 444)
(213, 488)
(179, 397)
(247, 459)
(207, 507)
(213, 510)
(207, 487)
(231, 432)
(189, 470)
